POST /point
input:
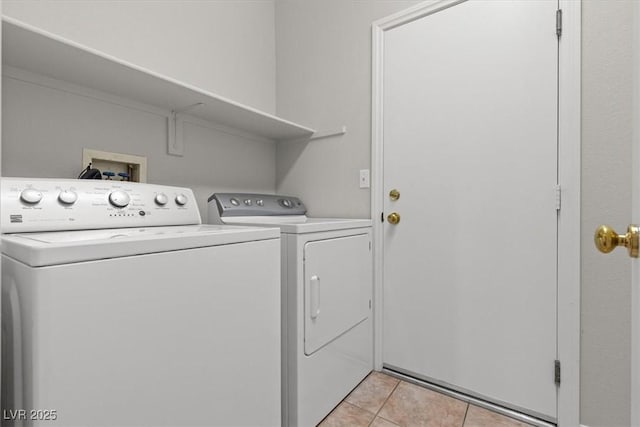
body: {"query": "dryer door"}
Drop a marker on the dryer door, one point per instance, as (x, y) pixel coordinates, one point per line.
(337, 288)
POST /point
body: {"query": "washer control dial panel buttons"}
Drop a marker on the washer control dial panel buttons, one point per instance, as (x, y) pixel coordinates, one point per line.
(119, 199)
(161, 199)
(31, 196)
(36, 204)
(68, 197)
(181, 199)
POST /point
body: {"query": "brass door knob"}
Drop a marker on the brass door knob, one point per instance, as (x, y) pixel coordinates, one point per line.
(394, 194)
(607, 239)
(393, 218)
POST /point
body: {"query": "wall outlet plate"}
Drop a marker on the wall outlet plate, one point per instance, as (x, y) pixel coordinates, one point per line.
(135, 166)
(365, 180)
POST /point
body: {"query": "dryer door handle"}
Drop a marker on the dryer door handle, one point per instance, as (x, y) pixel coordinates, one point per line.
(314, 294)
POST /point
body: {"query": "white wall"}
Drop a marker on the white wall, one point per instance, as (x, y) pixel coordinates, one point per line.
(227, 47)
(323, 51)
(606, 199)
(224, 46)
(45, 130)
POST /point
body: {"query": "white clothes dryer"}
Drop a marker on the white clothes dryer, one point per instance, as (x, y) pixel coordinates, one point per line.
(326, 299)
(119, 308)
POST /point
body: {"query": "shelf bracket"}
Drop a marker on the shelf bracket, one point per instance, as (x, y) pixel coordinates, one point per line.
(328, 134)
(175, 134)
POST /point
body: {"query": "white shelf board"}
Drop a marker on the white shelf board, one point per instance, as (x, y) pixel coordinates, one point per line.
(40, 52)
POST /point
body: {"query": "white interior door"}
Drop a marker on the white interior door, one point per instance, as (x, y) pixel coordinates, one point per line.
(470, 142)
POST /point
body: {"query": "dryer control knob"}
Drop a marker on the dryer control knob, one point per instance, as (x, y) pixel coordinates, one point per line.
(68, 197)
(161, 199)
(119, 199)
(286, 203)
(181, 199)
(31, 196)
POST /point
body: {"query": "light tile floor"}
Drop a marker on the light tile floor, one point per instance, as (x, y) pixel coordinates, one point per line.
(384, 401)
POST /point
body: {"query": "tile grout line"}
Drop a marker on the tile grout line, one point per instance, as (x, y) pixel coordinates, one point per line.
(466, 411)
(385, 401)
(388, 397)
(353, 404)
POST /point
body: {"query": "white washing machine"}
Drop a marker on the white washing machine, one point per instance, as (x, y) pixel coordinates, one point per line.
(139, 315)
(326, 299)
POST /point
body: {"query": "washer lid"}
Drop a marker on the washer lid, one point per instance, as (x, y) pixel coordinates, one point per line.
(52, 248)
(301, 224)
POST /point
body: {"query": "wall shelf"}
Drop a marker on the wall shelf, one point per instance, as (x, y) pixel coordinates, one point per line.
(40, 52)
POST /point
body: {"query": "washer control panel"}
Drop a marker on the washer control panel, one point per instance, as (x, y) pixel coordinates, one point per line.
(245, 204)
(36, 204)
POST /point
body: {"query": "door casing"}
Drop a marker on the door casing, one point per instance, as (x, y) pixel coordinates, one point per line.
(569, 113)
(635, 266)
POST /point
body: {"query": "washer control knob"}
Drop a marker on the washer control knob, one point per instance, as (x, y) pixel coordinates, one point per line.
(260, 202)
(234, 201)
(247, 202)
(31, 196)
(68, 197)
(286, 203)
(161, 199)
(119, 199)
(181, 199)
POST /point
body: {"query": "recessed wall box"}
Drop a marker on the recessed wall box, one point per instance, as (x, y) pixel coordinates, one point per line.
(134, 166)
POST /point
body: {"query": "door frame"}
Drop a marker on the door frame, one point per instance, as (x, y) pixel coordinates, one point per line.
(635, 215)
(569, 112)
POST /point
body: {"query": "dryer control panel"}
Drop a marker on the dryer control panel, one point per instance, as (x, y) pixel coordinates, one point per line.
(36, 204)
(249, 204)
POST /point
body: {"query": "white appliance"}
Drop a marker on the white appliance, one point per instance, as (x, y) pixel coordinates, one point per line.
(326, 299)
(141, 316)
